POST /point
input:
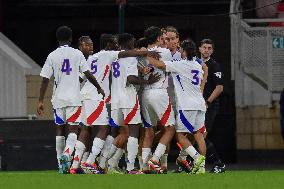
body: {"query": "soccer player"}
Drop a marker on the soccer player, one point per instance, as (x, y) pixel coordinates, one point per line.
(156, 105)
(212, 90)
(86, 46)
(125, 110)
(187, 74)
(172, 36)
(65, 63)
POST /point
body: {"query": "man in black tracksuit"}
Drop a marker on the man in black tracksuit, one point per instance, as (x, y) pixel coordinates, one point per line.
(212, 90)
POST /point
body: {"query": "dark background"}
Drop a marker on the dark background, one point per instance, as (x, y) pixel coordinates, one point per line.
(31, 25)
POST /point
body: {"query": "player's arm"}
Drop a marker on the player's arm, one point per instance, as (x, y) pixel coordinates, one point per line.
(43, 87)
(135, 53)
(153, 78)
(157, 63)
(94, 81)
(205, 76)
(217, 78)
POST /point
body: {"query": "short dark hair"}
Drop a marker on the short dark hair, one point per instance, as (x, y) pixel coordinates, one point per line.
(207, 41)
(124, 39)
(63, 34)
(152, 33)
(142, 42)
(189, 47)
(172, 29)
(105, 39)
(83, 39)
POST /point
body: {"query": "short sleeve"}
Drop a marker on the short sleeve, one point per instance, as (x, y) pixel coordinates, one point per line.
(172, 66)
(47, 70)
(217, 74)
(132, 68)
(83, 63)
(114, 55)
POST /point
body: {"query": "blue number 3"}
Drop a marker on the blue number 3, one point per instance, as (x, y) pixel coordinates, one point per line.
(66, 67)
(195, 77)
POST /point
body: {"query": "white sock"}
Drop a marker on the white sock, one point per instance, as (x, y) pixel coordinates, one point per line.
(79, 150)
(132, 150)
(146, 153)
(164, 160)
(60, 144)
(85, 157)
(70, 144)
(141, 165)
(192, 152)
(160, 150)
(96, 149)
(111, 152)
(113, 162)
(105, 151)
(182, 155)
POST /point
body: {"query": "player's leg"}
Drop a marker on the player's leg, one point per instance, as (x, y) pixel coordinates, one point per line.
(116, 120)
(99, 119)
(163, 108)
(212, 154)
(59, 119)
(132, 118)
(114, 131)
(60, 144)
(186, 124)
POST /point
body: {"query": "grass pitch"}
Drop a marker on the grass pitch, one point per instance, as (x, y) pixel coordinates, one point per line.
(230, 179)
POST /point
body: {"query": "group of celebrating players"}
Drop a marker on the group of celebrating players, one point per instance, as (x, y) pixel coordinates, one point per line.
(134, 92)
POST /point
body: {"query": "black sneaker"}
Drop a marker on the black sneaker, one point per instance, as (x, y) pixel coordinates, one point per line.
(183, 165)
(218, 169)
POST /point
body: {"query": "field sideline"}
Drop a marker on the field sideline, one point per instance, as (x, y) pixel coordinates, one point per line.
(231, 179)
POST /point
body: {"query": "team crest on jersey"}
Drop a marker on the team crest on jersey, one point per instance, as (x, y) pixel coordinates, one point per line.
(218, 74)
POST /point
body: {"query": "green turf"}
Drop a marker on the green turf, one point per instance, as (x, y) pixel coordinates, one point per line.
(231, 179)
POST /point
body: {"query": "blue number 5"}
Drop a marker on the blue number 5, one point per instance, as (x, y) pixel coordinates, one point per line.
(94, 67)
(195, 77)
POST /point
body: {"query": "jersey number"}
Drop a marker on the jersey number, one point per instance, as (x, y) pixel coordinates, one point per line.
(66, 67)
(94, 67)
(116, 72)
(195, 77)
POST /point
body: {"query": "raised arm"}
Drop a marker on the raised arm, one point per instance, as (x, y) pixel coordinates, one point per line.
(153, 78)
(134, 53)
(157, 63)
(44, 85)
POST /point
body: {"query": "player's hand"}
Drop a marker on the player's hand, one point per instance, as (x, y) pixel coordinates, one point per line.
(154, 54)
(153, 78)
(40, 108)
(101, 91)
(145, 70)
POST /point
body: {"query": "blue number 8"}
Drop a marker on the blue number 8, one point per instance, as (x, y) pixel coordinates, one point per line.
(195, 77)
(116, 72)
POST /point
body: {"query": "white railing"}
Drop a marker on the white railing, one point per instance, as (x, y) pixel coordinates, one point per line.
(257, 58)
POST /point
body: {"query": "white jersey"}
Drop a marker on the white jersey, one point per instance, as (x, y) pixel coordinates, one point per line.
(100, 66)
(123, 94)
(65, 63)
(176, 55)
(163, 82)
(187, 76)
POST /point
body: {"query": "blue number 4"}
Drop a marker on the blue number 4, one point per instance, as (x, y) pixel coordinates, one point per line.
(66, 67)
(94, 67)
(195, 77)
